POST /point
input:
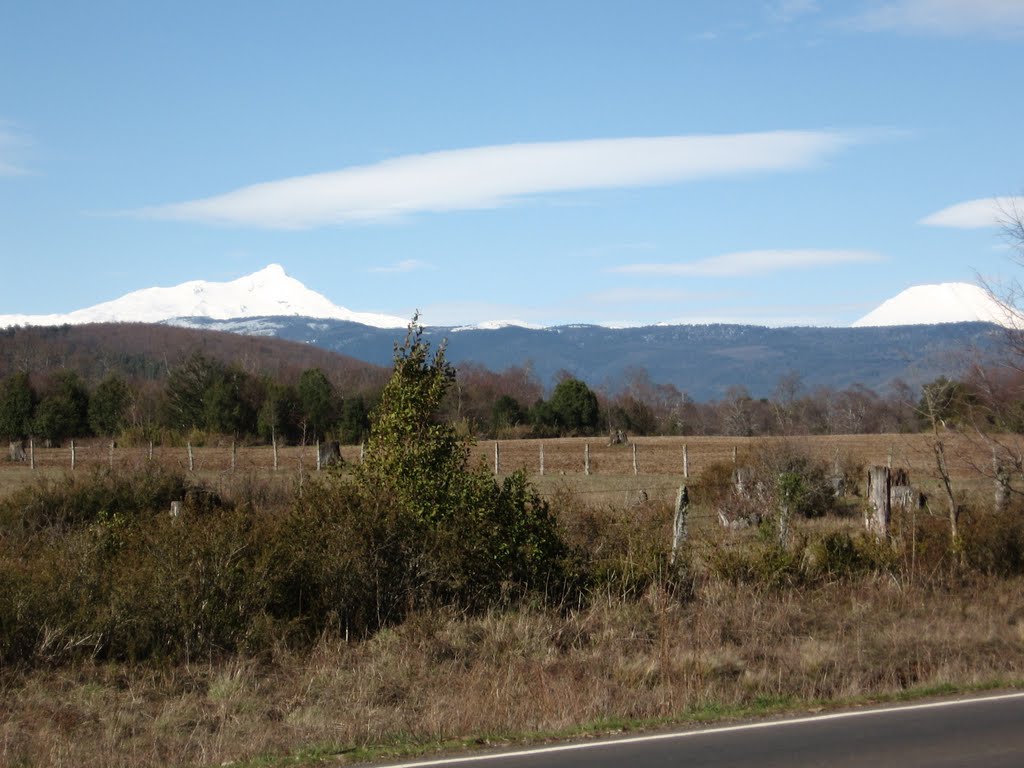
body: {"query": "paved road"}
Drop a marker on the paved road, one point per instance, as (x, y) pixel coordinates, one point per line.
(982, 732)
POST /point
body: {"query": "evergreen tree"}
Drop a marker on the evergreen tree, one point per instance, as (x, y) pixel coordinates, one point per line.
(108, 406)
(278, 415)
(228, 406)
(17, 404)
(63, 411)
(354, 421)
(316, 403)
(184, 405)
(575, 407)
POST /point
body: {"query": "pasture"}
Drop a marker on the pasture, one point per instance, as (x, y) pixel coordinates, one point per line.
(617, 473)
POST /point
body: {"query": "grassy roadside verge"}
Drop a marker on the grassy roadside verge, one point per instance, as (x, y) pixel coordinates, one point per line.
(707, 715)
(445, 682)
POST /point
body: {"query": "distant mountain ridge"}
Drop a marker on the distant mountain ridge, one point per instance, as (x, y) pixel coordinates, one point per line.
(914, 337)
(703, 361)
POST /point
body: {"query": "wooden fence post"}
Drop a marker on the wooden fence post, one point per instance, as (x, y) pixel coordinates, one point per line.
(234, 456)
(586, 458)
(150, 450)
(734, 455)
(72, 454)
(176, 510)
(497, 458)
(679, 522)
(879, 504)
(31, 453)
(273, 443)
(191, 458)
(686, 463)
(362, 452)
(636, 470)
(542, 459)
(112, 444)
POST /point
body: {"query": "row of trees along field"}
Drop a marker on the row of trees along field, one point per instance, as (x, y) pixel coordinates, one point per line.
(205, 395)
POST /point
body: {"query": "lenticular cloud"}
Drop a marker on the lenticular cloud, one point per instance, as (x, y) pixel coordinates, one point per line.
(489, 177)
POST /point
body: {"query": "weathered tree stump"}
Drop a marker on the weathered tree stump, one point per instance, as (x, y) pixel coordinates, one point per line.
(17, 448)
(879, 510)
(328, 454)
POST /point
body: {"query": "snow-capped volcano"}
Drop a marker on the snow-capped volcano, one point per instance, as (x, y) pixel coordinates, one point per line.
(269, 292)
(941, 303)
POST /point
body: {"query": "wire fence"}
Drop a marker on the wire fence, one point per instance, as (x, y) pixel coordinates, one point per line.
(654, 466)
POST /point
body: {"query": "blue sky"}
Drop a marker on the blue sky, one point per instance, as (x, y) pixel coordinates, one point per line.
(775, 162)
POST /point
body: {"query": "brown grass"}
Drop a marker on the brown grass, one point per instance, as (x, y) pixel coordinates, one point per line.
(659, 459)
(441, 677)
(636, 653)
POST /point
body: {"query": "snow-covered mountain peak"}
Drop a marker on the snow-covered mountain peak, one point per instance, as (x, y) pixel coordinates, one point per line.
(941, 303)
(268, 292)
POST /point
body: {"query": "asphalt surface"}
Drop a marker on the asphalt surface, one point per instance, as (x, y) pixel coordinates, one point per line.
(981, 732)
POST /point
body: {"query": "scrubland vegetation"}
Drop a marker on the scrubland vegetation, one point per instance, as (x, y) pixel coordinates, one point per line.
(417, 601)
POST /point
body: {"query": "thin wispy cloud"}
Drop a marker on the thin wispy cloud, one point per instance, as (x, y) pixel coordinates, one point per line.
(787, 11)
(1001, 18)
(12, 146)
(407, 265)
(648, 296)
(977, 214)
(495, 176)
(747, 263)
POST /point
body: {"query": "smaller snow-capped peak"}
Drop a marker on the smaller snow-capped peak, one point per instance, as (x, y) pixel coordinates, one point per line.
(268, 292)
(941, 303)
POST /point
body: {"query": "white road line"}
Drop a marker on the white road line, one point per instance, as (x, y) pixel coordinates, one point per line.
(703, 732)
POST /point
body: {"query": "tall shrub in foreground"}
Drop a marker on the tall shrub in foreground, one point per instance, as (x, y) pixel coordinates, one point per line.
(453, 534)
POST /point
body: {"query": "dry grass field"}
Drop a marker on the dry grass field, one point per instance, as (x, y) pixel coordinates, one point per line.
(658, 470)
(748, 635)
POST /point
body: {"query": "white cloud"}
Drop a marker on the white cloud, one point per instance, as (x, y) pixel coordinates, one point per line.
(408, 265)
(977, 214)
(745, 263)
(1003, 18)
(493, 176)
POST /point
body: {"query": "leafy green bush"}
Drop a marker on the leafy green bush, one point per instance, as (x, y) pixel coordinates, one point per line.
(430, 528)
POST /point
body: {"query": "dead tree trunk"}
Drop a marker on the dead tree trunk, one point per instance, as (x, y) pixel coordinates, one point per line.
(679, 522)
(1002, 478)
(954, 509)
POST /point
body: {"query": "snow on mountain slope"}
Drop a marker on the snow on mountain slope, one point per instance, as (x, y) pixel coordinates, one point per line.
(941, 303)
(269, 292)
